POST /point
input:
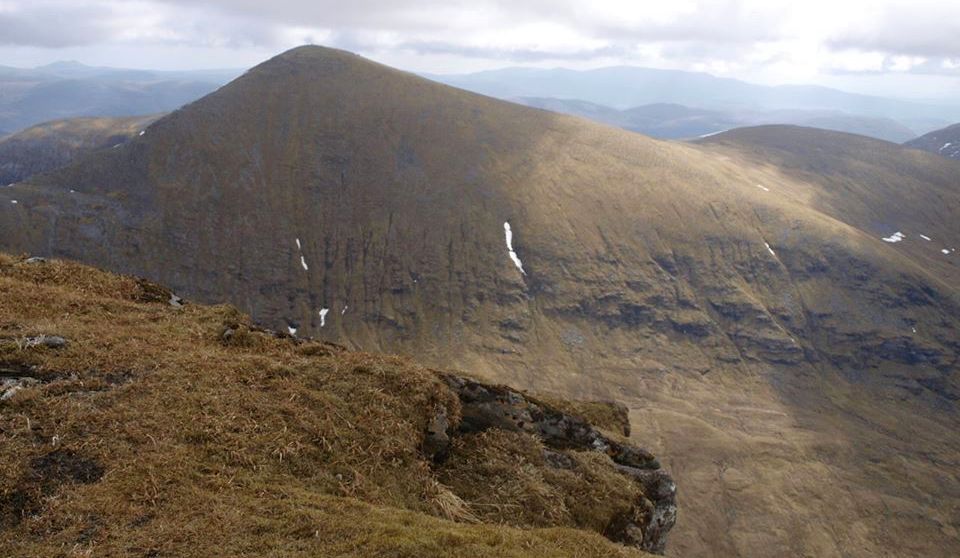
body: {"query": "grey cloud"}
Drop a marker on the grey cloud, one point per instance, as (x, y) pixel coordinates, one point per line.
(511, 55)
(54, 26)
(930, 67)
(719, 21)
(916, 30)
(717, 30)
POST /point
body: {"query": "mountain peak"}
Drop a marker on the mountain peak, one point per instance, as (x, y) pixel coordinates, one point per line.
(63, 65)
(314, 58)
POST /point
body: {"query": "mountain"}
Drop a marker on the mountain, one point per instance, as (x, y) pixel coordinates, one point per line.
(52, 145)
(945, 142)
(69, 89)
(661, 120)
(671, 121)
(149, 420)
(624, 87)
(763, 301)
(878, 128)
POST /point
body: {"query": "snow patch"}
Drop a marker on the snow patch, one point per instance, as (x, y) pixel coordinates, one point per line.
(925, 237)
(344, 311)
(142, 132)
(513, 255)
(712, 134)
(769, 249)
(946, 145)
(762, 187)
(323, 316)
(945, 251)
(14, 202)
(292, 330)
(303, 262)
(895, 237)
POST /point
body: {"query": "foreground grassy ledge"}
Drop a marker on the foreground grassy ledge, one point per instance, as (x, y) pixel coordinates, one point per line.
(132, 425)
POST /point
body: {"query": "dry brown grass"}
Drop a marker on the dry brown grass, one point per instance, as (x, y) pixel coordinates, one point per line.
(151, 434)
(504, 477)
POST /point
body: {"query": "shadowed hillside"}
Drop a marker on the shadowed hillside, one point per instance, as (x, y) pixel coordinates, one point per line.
(742, 300)
(945, 142)
(52, 145)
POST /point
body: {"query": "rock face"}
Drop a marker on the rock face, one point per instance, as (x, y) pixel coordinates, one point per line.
(648, 525)
(644, 525)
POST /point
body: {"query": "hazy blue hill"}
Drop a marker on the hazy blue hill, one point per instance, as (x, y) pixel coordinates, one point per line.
(29, 96)
(674, 121)
(624, 87)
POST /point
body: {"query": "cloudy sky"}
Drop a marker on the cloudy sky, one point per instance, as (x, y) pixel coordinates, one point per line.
(908, 48)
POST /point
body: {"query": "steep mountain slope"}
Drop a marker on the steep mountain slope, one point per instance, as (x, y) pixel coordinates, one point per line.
(945, 142)
(627, 86)
(52, 145)
(69, 90)
(796, 370)
(134, 426)
(671, 121)
(877, 187)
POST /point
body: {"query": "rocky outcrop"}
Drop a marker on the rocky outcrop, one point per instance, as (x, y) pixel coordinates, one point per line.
(646, 526)
(483, 407)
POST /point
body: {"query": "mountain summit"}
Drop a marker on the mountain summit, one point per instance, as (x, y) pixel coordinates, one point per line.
(767, 301)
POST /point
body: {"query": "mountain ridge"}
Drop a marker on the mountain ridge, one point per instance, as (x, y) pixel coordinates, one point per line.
(944, 142)
(624, 87)
(673, 121)
(51, 145)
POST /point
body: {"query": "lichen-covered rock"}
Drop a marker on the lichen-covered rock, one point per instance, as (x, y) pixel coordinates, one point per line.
(641, 518)
(49, 341)
(660, 490)
(436, 440)
(9, 387)
(487, 406)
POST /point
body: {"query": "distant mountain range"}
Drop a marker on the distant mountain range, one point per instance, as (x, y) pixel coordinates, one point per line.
(666, 104)
(624, 87)
(71, 89)
(673, 121)
(945, 142)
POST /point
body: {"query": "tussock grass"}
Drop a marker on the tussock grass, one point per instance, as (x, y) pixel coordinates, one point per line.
(250, 443)
(507, 480)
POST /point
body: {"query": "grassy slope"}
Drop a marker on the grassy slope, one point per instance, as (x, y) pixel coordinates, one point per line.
(151, 436)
